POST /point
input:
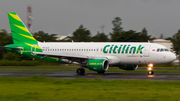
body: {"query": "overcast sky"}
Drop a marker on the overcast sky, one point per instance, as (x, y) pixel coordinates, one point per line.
(63, 17)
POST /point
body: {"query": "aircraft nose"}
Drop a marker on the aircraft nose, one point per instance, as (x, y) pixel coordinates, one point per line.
(172, 57)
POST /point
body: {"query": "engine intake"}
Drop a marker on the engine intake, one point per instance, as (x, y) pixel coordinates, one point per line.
(99, 65)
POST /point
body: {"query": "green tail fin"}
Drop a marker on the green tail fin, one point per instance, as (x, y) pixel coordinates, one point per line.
(19, 31)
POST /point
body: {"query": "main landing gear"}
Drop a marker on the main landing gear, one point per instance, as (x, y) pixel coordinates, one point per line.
(80, 71)
(150, 69)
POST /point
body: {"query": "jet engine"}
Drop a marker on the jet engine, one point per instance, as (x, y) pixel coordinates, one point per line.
(99, 65)
(128, 67)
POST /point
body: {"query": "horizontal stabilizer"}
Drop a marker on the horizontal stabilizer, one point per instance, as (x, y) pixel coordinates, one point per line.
(16, 48)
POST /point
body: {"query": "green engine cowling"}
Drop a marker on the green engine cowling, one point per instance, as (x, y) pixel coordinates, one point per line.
(99, 65)
(128, 67)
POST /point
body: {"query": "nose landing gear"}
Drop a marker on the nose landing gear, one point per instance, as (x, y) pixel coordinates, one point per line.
(150, 69)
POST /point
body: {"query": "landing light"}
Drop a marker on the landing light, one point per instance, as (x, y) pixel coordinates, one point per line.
(150, 65)
(149, 68)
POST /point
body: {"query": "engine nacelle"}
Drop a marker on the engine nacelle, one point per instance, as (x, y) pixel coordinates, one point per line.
(99, 65)
(128, 67)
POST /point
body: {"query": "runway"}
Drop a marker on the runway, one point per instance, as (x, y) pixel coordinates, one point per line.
(94, 75)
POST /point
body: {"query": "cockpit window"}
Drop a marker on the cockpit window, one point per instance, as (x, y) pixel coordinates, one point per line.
(158, 50)
(166, 50)
(162, 50)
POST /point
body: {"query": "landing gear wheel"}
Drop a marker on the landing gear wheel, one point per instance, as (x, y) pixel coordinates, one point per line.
(80, 71)
(150, 72)
(100, 72)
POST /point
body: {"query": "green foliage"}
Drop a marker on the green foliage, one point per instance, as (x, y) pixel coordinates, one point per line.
(118, 35)
(100, 37)
(117, 29)
(176, 41)
(18, 63)
(128, 36)
(14, 56)
(169, 38)
(5, 39)
(143, 36)
(117, 25)
(42, 36)
(81, 35)
(132, 36)
(11, 56)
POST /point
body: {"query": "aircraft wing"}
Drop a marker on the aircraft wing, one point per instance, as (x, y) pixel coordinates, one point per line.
(60, 55)
(77, 58)
(69, 58)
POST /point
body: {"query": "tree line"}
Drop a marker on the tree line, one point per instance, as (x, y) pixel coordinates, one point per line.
(117, 35)
(82, 34)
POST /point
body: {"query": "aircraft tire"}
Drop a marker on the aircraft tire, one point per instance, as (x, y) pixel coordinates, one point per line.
(80, 71)
(150, 72)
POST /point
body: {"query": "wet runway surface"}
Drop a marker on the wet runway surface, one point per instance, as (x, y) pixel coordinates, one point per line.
(94, 75)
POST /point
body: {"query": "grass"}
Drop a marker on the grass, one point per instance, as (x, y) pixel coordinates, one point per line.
(139, 70)
(44, 89)
(34, 69)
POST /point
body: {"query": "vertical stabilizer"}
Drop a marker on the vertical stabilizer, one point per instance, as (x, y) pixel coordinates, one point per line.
(19, 31)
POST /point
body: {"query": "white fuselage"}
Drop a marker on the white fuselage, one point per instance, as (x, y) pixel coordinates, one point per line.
(115, 52)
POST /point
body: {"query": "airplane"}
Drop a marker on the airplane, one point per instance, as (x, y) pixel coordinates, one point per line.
(96, 56)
